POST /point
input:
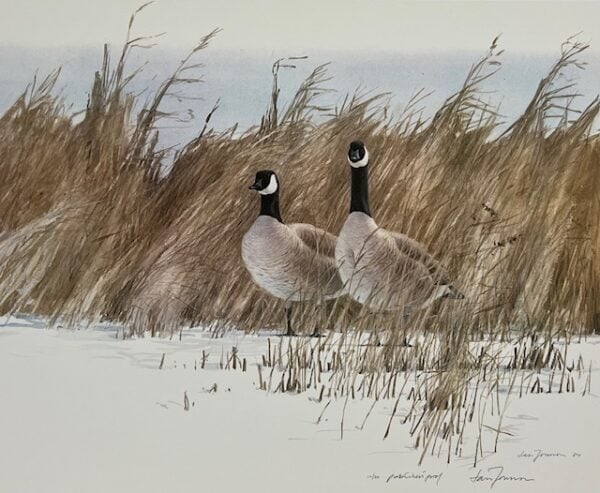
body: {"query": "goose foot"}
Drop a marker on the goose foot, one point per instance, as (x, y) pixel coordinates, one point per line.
(316, 333)
(373, 341)
(405, 343)
(378, 343)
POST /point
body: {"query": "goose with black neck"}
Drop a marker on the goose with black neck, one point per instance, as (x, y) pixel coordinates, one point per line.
(292, 262)
(381, 269)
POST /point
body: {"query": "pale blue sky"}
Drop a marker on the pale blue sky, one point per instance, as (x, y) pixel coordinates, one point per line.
(371, 44)
(265, 26)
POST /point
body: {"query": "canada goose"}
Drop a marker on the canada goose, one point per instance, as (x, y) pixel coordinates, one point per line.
(292, 262)
(381, 269)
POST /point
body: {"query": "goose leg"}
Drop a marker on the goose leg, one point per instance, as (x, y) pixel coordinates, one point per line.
(405, 319)
(325, 321)
(377, 339)
(288, 321)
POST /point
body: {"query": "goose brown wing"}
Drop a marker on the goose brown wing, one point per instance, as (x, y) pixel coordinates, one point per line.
(318, 266)
(417, 252)
(318, 240)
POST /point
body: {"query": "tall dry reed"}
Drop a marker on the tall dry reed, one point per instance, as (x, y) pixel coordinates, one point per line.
(92, 228)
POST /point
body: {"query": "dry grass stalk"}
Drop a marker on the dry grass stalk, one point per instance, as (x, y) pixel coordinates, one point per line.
(93, 228)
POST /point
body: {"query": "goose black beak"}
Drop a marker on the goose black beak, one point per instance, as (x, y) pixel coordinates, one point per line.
(254, 186)
(354, 156)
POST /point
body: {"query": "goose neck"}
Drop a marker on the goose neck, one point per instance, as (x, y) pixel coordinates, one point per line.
(269, 206)
(360, 191)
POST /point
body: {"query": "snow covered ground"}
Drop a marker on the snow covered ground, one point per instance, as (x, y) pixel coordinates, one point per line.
(83, 411)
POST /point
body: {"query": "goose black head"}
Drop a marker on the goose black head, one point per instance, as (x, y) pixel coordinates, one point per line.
(358, 156)
(265, 183)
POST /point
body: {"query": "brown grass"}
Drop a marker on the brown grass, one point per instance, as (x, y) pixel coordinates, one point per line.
(92, 228)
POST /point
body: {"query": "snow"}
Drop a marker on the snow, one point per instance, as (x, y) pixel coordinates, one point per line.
(84, 411)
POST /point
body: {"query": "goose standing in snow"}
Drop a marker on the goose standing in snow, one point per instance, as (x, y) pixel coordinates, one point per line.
(383, 270)
(293, 262)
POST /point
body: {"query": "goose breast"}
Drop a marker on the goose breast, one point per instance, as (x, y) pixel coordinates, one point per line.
(290, 262)
(375, 271)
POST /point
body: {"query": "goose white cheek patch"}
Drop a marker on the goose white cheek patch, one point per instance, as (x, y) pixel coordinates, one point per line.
(271, 188)
(363, 162)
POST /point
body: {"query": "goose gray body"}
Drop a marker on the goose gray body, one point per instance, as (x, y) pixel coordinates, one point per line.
(293, 262)
(379, 268)
(386, 270)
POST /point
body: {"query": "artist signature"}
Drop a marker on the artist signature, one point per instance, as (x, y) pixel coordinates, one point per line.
(538, 454)
(491, 476)
(495, 475)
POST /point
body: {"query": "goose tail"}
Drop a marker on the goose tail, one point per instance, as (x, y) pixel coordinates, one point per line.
(452, 293)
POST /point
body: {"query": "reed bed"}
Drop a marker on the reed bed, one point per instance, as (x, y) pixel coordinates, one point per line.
(95, 226)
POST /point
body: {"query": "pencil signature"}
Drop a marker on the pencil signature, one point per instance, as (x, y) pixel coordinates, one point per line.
(538, 454)
(496, 474)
